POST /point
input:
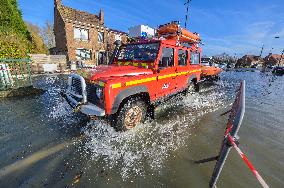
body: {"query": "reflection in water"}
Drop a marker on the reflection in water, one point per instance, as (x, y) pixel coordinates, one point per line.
(30, 160)
(160, 151)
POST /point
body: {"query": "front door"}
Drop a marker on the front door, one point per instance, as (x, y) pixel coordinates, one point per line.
(166, 77)
(101, 58)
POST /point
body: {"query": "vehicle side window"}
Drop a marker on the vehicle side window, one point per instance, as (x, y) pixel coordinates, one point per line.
(167, 58)
(194, 58)
(182, 57)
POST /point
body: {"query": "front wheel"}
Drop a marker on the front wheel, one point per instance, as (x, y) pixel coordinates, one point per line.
(132, 113)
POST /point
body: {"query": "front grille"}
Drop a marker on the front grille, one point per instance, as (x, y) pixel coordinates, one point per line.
(76, 86)
(91, 95)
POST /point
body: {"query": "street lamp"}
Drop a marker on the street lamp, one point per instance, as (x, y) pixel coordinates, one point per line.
(276, 37)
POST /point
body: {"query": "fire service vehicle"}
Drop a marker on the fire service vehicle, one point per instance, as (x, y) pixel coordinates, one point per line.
(139, 76)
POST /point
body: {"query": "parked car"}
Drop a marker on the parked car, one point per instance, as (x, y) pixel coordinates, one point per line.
(278, 70)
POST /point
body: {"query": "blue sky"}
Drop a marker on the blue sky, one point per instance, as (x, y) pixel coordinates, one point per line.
(232, 26)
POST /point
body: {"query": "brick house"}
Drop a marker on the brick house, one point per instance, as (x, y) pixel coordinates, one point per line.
(274, 59)
(249, 60)
(83, 36)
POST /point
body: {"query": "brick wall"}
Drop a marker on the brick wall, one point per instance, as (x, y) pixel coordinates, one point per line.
(92, 44)
(59, 32)
(66, 19)
(38, 60)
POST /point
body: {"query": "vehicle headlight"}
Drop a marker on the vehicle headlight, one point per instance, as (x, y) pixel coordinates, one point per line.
(99, 92)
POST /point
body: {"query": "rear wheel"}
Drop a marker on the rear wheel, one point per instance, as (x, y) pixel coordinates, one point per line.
(192, 88)
(132, 113)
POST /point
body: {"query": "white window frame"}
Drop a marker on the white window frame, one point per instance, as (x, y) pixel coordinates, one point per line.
(117, 37)
(102, 37)
(81, 34)
(83, 53)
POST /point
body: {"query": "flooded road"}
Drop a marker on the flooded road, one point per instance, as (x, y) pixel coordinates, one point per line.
(44, 144)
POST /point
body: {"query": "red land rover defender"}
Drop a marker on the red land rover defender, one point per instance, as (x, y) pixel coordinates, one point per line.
(140, 75)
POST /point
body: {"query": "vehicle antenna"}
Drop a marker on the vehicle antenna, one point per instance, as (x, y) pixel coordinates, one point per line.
(186, 15)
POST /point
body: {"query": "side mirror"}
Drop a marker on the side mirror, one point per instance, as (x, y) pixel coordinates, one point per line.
(117, 43)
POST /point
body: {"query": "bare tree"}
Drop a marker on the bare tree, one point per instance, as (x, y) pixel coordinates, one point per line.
(224, 58)
(37, 42)
(47, 34)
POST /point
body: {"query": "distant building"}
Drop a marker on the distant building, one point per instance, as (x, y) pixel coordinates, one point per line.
(141, 31)
(83, 36)
(274, 59)
(249, 61)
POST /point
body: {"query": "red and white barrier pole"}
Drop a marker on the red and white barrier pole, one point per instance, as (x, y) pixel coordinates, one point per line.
(248, 163)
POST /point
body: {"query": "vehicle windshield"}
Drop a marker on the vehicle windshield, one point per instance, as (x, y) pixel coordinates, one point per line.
(139, 52)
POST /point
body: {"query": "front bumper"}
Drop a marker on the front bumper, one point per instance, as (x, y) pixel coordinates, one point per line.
(76, 96)
(87, 108)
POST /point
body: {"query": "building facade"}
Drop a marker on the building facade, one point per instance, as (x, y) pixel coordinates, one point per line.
(82, 36)
(249, 61)
(274, 59)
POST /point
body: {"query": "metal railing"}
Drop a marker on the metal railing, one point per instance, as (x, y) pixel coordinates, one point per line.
(15, 73)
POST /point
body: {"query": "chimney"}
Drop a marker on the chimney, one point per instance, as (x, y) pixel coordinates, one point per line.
(101, 16)
(57, 3)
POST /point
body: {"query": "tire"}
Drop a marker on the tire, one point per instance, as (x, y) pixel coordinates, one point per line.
(192, 88)
(132, 113)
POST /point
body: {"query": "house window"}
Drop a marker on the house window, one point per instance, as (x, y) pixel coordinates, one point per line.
(194, 58)
(101, 37)
(81, 34)
(83, 54)
(182, 57)
(117, 37)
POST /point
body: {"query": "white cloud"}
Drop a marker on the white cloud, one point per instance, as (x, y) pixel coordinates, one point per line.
(249, 41)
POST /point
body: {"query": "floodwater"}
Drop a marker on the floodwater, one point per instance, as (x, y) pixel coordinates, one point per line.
(44, 144)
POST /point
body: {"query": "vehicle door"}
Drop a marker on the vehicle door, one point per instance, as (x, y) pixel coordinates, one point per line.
(182, 68)
(194, 62)
(166, 76)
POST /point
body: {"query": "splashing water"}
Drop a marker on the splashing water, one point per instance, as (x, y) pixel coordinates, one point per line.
(148, 145)
(57, 108)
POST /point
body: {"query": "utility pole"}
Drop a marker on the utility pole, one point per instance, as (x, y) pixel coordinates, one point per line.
(281, 57)
(261, 51)
(186, 15)
(278, 37)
